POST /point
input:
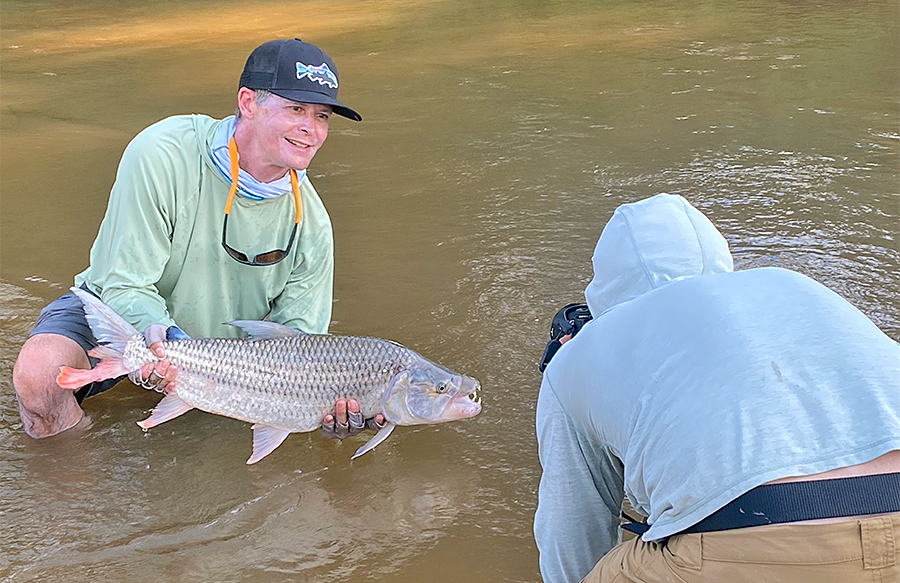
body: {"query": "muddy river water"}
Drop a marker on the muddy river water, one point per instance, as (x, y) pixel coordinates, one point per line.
(498, 138)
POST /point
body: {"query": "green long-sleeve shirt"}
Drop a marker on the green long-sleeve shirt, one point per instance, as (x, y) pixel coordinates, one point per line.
(158, 257)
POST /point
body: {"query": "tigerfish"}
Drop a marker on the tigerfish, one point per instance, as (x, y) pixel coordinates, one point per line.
(281, 380)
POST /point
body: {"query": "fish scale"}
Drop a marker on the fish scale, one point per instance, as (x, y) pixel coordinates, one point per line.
(291, 383)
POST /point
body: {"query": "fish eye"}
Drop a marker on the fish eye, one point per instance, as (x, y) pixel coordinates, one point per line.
(441, 387)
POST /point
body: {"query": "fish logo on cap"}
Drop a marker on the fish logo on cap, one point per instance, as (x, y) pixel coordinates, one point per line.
(320, 74)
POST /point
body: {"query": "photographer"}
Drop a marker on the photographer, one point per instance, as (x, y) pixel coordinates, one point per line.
(752, 416)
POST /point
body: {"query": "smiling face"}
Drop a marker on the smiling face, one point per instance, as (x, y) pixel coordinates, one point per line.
(276, 134)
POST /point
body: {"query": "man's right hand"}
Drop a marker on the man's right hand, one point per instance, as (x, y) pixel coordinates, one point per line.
(158, 376)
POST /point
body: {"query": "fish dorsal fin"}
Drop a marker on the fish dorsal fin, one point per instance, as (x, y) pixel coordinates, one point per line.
(261, 330)
(379, 437)
(265, 440)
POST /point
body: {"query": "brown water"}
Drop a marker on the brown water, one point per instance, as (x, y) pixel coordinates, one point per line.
(498, 138)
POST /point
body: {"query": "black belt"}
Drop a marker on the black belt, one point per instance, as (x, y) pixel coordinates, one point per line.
(795, 501)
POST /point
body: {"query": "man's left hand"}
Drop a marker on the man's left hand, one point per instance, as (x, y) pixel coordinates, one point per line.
(348, 420)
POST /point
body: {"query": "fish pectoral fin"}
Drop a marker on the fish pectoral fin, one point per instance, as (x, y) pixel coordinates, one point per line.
(265, 440)
(170, 407)
(379, 437)
(261, 330)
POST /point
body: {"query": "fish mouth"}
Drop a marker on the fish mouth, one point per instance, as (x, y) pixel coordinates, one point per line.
(465, 405)
(474, 394)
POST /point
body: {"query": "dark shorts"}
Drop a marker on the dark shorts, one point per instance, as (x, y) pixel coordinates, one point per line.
(65, 317)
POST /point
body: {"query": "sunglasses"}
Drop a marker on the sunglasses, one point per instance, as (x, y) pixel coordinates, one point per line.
(269, 257)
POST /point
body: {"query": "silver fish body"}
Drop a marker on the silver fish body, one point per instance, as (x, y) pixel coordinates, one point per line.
(289, 383)
(281, 380)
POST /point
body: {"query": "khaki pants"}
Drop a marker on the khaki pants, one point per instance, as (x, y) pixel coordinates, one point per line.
(850, 551)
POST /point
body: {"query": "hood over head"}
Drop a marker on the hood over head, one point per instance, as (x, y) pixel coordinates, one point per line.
(650, 243)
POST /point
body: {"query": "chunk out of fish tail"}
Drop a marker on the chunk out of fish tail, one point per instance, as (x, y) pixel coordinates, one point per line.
(113, 333)
(109, 328)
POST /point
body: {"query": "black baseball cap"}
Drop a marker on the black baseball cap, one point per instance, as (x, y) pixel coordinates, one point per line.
(295, 70)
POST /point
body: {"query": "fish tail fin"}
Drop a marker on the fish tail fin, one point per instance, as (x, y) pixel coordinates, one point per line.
(112, 332)
(104, 352)
(109, 328)
(75, 378)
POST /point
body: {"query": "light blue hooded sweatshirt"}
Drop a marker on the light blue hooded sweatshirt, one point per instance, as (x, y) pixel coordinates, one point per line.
(703, 382)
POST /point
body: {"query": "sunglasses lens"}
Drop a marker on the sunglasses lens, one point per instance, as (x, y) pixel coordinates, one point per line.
(270, 257)
(263, 259)
(236, 255)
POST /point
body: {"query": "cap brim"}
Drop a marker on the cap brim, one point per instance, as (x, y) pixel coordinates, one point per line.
(313, 97)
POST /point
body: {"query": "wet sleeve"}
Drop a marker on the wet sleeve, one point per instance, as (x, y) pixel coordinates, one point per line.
(305, 303)
(579, 498)
(134, 241)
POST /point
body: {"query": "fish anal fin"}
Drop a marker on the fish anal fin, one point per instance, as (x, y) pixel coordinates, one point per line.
(262, 330)
(379, 437)
(170, 407)
(265, 440)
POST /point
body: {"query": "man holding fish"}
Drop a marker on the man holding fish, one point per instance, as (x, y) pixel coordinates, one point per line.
(165, 259)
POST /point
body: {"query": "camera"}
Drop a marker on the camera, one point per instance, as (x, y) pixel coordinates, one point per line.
(568, 320)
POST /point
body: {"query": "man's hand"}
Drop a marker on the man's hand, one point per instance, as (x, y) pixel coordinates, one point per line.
(159, 376)
(347, 420)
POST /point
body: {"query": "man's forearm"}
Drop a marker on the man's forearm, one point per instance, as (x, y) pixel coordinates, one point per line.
(576, 521)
